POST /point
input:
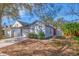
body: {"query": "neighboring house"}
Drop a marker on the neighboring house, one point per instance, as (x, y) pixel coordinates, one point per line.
(20, 28)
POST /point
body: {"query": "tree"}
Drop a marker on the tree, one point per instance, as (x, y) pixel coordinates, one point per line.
(11, 10)
(47, 12)
(42, 10)
(60, 21)
(47, 20)
(70, 28)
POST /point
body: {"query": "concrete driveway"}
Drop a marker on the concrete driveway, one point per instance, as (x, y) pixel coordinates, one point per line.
(10, 41)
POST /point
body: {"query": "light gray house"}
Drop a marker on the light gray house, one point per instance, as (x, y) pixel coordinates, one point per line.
(16, 30)
(38, 26)
(20, 28)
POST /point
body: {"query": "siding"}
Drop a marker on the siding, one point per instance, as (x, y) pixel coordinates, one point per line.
(59, 32)
(17, 32)
(36, 28)
(8, 33)
(25, 32)
(48, 32)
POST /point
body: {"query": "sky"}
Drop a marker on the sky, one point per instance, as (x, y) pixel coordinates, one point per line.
(65, 8)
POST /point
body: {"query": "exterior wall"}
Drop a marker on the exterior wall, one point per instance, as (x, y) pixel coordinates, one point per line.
(59, 32)
(48, 32)
(36, 28)
(32, 29)
(21, 32)
(8, 33)
(25, 32)
(17, 32)
(39, 28)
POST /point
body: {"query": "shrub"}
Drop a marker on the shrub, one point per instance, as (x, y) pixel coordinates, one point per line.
(71, 28)
(32, 35)
(76, 38)
(41, 35)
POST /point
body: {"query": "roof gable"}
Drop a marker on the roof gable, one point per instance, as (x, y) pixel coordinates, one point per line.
(23, 23)
(20, 24)
(17, 24)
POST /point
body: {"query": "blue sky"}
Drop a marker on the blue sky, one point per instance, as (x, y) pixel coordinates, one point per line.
(26, 17)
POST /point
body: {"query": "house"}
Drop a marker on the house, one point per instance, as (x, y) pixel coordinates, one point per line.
(38, 26)
(20, 28)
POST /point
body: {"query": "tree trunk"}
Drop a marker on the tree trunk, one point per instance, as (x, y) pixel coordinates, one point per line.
(1, 31)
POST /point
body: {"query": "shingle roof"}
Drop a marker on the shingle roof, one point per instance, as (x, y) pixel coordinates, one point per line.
(29, 24)
(41, 22)
(24, 23)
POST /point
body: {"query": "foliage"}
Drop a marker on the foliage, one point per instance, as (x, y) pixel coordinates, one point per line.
(60, 21)
(32, 35)
(48, 20)
(76, 37)
(43, 10)
(70, 28)
(41, 35)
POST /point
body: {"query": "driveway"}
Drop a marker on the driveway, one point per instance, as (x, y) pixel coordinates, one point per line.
(10, 41)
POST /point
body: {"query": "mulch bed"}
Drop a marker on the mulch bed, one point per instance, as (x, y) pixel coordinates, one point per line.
(32, 47)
